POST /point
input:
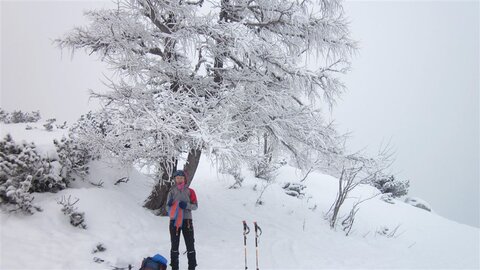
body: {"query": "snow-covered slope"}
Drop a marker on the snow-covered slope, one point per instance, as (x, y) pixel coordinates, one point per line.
(295, 234)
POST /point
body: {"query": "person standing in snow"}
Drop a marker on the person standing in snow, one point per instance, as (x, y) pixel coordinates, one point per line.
(181, 201)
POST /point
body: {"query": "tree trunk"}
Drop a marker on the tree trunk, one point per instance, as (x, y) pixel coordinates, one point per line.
(158, 197)
(192, 163)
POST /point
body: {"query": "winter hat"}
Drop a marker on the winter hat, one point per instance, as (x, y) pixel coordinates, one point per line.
(179, 173)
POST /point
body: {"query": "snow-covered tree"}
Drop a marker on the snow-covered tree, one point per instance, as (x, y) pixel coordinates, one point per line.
(213, 76)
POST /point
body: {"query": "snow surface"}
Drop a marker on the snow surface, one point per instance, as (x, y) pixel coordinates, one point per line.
(295, 233)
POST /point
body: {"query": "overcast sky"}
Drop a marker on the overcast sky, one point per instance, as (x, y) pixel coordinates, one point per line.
(414, 83)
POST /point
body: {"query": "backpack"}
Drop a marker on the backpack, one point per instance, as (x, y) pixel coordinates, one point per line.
(157, 262)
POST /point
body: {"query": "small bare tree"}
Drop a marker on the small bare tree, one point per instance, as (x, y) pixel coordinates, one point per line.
(356, 170)
(347, 222)
(385, 231)
(346, 183)
(77, 219)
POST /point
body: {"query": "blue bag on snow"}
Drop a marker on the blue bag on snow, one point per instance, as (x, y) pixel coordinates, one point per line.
(157, 262)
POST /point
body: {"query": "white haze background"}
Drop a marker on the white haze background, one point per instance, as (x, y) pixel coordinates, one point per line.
(414, 84)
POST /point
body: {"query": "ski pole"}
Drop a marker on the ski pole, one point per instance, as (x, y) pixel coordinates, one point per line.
(246, 230)
(257, 229)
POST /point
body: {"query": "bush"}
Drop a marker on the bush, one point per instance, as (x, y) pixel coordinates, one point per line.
(77, 219)
(22, 172)
(294, 189)
(15, 194)
(90, 132)
(3, 116)
(92, 124)
(265, 167)
(388, 184)
(74, 158)
(19, 117)
(419, 203)
(49, 124)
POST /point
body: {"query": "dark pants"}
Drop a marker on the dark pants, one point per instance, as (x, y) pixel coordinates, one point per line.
(187, 231)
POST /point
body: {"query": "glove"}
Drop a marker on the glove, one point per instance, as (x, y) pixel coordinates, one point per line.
(170, 202)
(182, 205)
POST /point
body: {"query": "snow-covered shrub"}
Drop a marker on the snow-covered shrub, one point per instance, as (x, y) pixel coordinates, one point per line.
(49, 124)
(388, 184)
(98, 260)
(99, 248)
(4, 116)
(31, 117)
(265, 168)
(74, 158)
(63, 126)
(237, 175)
(266, 157)
(19, 117)
(417, 202)
(90, 132)
(265, 165)
(22, 172)
(77, 219)
(16, 195)
(387, 197)
(234, 170)
(294, 189)
(76, 151)
(92, 124)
